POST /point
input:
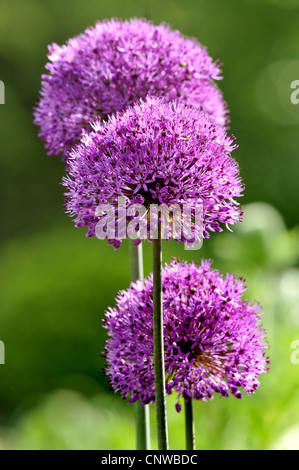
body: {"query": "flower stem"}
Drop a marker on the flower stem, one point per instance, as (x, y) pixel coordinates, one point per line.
(141, 412)
(160, 393)
(189, 425)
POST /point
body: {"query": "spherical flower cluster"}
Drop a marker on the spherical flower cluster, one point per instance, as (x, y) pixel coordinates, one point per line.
(110, 66)
(155, 153)
(213, 340)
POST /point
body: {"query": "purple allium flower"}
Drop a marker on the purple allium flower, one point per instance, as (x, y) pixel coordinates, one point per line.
(213, 340)
(155, 153)
(112, 65)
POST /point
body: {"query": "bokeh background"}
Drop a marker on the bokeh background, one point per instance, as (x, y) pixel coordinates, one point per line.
(56, 283)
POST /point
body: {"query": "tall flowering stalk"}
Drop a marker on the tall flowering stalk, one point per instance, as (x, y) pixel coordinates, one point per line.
(189, 425)
(141, 411)
(110, 66)
(158, 341)
(155, 152)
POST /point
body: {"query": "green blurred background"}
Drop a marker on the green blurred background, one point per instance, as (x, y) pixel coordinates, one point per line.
(56, 283)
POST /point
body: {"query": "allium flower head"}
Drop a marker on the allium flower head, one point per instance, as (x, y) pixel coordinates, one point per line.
(155, 153)
(213, 340)
(110, 66)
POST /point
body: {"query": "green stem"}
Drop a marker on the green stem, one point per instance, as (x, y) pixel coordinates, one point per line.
(189, 425)
(141, 412)
(160, 393)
